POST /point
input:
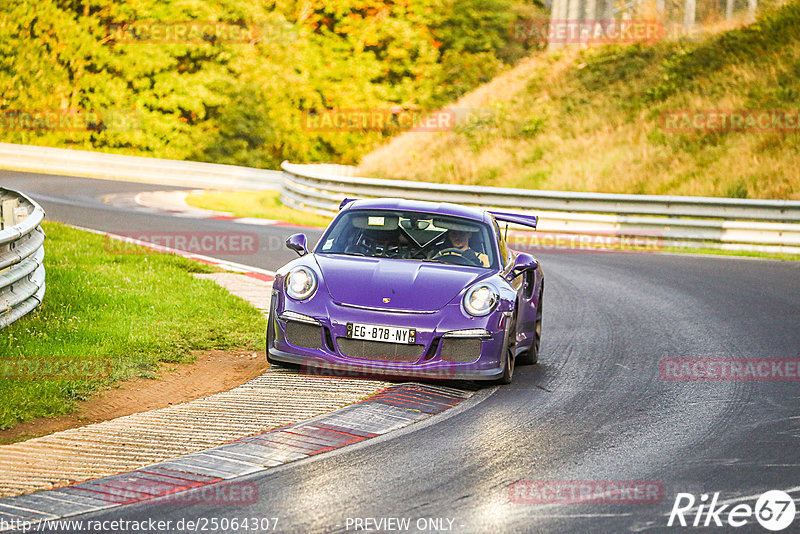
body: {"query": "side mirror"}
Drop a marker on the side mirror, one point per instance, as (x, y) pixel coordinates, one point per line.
(297, 242)
(524, 262)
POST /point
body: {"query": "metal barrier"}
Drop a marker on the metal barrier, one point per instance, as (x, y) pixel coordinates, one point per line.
(81, 163)
(724, 223)
(22, 283)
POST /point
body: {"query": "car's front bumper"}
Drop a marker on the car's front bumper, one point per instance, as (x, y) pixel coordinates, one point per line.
(320, 345)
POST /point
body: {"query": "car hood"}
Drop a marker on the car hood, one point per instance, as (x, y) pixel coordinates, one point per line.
(409, 285)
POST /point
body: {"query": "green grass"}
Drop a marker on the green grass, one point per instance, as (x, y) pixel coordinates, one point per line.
(737, 253)
(523, 243)
(136, 310)
(262, 204)
(591, 120)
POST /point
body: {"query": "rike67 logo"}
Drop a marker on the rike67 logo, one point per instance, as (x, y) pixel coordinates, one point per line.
(774, 510)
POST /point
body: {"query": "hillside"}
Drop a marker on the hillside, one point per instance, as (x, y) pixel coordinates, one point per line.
(612, 119)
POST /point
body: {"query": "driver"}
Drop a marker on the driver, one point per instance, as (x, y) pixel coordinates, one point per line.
(460, 239)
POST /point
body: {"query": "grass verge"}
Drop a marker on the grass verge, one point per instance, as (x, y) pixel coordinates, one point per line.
(735, 253)
(601, 120)
(261, 204)
(136, 310)
(524, 244)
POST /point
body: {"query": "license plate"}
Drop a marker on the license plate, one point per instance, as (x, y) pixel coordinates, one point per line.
(387, 334)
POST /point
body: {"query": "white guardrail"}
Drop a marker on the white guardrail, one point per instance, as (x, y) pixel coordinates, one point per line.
(21, 256)
(724, 223)
(694, 222)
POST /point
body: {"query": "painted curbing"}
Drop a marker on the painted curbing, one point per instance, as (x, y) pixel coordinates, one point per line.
(184, 478)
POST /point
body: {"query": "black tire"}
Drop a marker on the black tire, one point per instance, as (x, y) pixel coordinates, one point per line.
(508, 368)
(531, 356)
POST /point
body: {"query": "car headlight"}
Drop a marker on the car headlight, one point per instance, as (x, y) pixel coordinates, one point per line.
(301, 282)
(480, 300)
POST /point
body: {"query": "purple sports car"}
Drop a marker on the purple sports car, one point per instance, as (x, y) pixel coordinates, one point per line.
(400, 288)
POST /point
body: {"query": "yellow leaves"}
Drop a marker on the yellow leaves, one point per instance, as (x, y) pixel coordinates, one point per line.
(305, 11)
(343, 53)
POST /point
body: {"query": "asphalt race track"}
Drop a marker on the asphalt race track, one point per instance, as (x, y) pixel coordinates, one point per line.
(80, 201)
(595, 409)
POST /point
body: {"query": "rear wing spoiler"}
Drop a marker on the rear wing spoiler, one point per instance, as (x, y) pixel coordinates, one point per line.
(345, 202)
(516, 218)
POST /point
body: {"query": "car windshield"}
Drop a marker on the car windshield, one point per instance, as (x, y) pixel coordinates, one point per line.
(410, 235)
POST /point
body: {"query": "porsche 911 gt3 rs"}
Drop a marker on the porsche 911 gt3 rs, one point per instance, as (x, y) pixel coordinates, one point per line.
(400, 288)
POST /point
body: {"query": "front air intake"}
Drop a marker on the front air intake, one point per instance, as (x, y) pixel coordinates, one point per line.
(378, 351)
(460, 350)
(307, 336)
